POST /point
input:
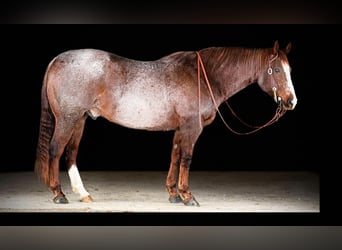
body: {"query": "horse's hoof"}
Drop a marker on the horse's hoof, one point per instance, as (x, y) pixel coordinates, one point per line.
(192, 202)
(60, 200)
(176, 199)
(87, 199)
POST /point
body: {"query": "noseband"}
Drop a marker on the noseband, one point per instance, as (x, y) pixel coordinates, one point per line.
(278, 113)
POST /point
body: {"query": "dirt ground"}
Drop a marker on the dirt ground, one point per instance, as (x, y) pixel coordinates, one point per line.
(145, 192)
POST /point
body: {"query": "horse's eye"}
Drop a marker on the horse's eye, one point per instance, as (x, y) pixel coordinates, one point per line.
(277, 70)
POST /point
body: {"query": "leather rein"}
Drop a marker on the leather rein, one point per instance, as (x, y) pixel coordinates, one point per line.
(278, 113)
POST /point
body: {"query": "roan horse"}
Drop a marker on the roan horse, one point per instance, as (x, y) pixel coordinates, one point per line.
(180, 92)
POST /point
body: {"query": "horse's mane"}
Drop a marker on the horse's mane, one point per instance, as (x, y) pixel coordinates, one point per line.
(252, 59)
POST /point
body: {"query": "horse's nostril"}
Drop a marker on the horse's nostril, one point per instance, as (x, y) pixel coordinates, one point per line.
(291, 103)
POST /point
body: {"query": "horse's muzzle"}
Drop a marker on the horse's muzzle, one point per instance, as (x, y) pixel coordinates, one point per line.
(289, 105)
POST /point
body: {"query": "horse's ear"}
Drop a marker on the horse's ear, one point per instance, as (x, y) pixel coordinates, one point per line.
(274, 51)
(275, 47)
(288, 48)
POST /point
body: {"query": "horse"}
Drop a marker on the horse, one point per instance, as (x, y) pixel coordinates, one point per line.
(180, 91)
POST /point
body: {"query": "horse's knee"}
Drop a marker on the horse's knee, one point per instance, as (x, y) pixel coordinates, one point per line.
(186, 160)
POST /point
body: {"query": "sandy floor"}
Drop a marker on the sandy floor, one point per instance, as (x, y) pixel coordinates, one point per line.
(145, 192)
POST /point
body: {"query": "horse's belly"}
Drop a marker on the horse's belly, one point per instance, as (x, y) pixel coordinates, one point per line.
(143, 113)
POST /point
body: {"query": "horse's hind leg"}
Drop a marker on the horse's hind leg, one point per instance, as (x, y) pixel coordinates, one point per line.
(71, 155)
(60, 138)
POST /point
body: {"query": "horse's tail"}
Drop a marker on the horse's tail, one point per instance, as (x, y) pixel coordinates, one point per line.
(46, 128)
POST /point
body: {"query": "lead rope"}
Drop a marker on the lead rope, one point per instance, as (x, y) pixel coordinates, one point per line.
(279, 111)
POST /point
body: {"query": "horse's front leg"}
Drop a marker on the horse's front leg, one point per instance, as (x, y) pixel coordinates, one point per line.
(189, 136)
(183, 181)
(172, 177)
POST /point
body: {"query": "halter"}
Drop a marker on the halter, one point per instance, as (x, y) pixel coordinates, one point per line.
(276, 98)
(278, 113)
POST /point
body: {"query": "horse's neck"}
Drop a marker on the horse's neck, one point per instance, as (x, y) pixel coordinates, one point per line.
(232, 72)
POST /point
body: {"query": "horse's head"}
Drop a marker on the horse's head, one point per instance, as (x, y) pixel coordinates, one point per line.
(276, 78)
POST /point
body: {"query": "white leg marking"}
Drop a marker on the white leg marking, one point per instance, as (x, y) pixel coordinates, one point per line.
(76, 182)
